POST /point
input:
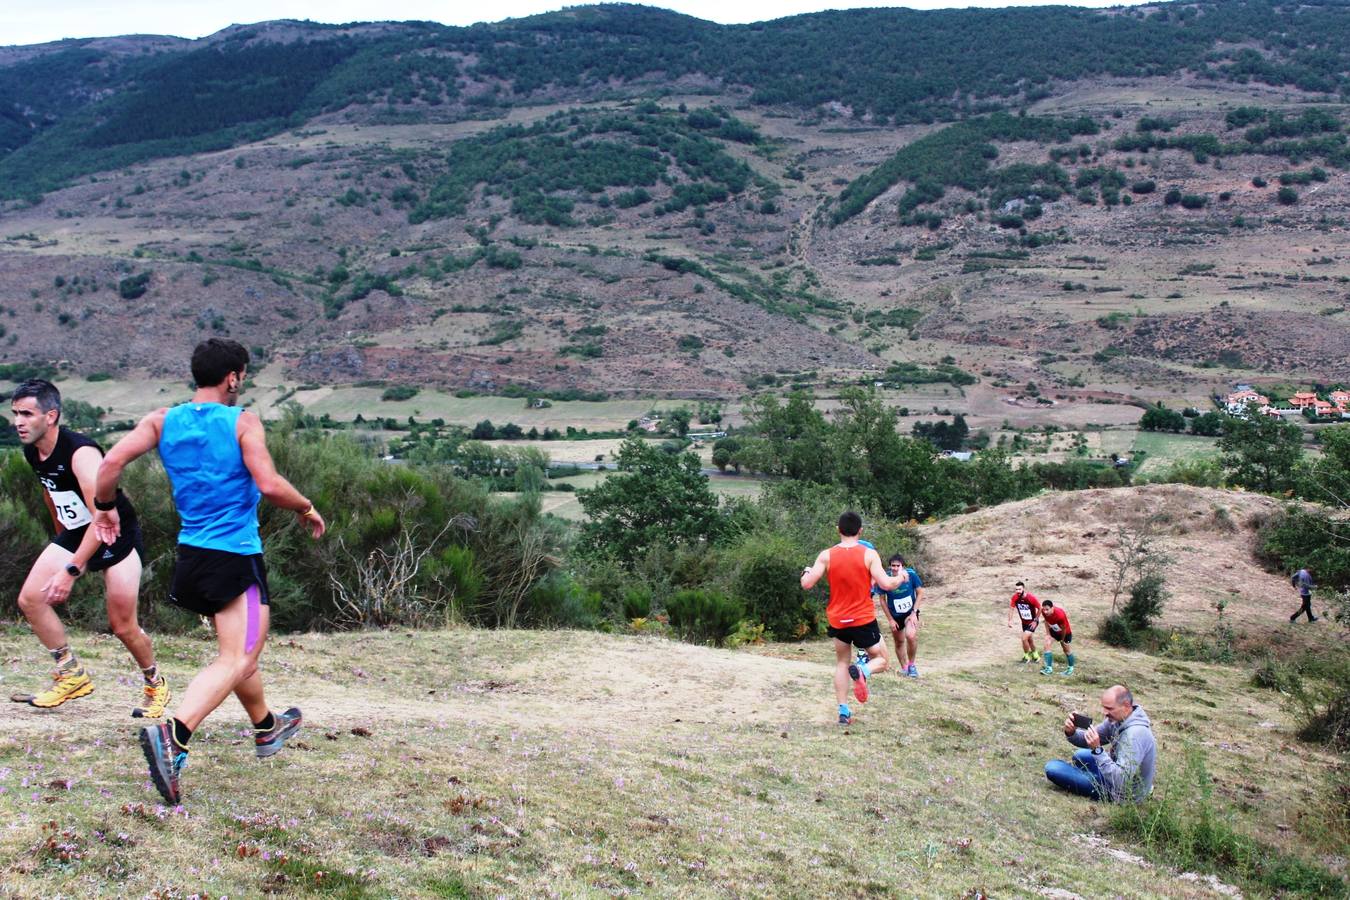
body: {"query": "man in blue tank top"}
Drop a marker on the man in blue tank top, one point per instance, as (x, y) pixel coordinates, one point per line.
(215, 455)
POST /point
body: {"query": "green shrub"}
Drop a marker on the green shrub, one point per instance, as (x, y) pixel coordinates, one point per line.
(1147, 596)
(134, 286)
(560, 602)
(1329, 722)
(1309, 537)
(704, 615)
(407, 545)
(1197, 472)
(1117, 631)
(637, 602)
(1319, 687)
(768, 583)
(399, 392)
(746, 632)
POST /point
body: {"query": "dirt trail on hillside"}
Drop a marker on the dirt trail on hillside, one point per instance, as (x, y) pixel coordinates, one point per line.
(589, 682)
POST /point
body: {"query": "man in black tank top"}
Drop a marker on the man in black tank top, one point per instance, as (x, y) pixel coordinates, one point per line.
(66, 462)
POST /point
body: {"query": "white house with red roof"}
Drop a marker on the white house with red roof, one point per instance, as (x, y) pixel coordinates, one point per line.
(1238, 401)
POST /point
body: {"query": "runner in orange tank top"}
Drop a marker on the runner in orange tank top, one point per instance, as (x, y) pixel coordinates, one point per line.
(851, 569)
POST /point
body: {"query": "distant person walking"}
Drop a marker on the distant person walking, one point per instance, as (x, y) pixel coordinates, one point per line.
(66, 462)
(851, 569)
(217, 461)
(902, 607)
(1302, 581)
(1028, 610)
(1056, 629)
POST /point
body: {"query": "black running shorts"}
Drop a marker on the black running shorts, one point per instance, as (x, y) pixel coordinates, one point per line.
(105, 557)
(206, 581)
(1030, 626)
(902, 618)
(863, 637)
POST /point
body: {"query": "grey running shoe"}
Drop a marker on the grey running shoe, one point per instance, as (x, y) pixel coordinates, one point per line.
(270, 742)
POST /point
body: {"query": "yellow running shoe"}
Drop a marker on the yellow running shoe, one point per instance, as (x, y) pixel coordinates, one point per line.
(156, 700)
(69, 686)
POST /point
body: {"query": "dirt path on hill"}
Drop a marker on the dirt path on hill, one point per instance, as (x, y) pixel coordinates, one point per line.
(589, 683)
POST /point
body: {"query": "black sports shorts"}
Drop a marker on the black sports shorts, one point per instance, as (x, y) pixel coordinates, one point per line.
(861, 636)
(105, 557)
(1030, 626)
(205, 581)
(1067, 639)
(902, 617)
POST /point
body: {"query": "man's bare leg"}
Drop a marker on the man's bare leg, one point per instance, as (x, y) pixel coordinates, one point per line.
(46, 624)
(123, 585)
(899, 638)
(843, 657)
(876, 658)
(235, 665)
(71, 682)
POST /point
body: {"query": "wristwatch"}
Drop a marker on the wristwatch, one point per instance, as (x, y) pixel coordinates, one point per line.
(1096, 751)
(73, 570)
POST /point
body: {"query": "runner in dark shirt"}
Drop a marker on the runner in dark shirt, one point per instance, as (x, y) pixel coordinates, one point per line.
(66, 462)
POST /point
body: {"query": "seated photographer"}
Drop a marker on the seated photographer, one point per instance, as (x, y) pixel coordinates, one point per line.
(1123, 773)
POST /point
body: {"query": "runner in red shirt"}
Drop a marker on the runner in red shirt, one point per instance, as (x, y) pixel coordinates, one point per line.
(851, 569)
(1029, 614)
(1056, 629)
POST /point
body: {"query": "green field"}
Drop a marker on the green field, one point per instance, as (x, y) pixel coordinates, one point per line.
(344, 403)
(1165, 449)
(566, 506)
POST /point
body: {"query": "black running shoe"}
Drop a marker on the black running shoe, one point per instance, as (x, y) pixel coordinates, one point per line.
(165, 760)
(269, 742)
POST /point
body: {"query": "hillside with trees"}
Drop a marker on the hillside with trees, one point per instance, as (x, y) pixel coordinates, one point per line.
(1126, 204)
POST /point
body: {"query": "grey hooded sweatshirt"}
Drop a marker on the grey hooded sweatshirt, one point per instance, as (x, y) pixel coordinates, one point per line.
(1127, 768)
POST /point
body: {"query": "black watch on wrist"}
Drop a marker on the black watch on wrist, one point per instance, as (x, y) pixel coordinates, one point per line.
(73, 570)
(105, 505)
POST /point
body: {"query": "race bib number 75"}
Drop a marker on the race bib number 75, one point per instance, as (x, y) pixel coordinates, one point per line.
(70, 509)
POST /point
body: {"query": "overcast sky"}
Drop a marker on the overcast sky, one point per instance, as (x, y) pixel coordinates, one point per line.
(37, 21)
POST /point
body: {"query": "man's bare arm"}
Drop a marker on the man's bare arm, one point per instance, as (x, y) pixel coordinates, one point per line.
(816, 571)
(273, 486)
(142, 439)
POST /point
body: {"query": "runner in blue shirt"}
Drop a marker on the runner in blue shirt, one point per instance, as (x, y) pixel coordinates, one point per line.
(216, 457)
(902, 609)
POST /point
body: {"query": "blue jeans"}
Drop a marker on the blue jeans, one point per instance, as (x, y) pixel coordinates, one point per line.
(1080, 777)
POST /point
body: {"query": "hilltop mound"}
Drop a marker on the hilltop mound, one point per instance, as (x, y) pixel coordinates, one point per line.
(1060, 544)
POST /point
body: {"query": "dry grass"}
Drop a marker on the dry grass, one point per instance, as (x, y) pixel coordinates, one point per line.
(471, 764)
